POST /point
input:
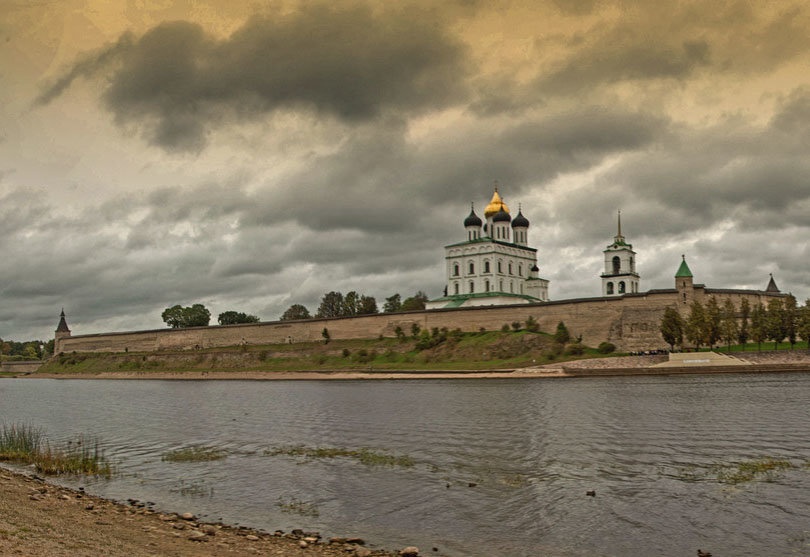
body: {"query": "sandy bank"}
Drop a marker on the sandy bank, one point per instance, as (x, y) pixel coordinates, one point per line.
(38, 519)
(541, 372)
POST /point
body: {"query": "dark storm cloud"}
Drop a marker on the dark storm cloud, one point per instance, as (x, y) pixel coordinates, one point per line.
(736, 175)
(348, 62)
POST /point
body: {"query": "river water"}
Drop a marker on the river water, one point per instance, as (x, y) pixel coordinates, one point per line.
(654, 449)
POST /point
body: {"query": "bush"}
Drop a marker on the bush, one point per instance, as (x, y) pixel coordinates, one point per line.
(532, 325)
(575, 349)
(399, 333)
(562, 336)
(606, 348)
(482, 330)
(262, 355)
(346, 352)
(505, 328)
(415, 328)
(516, 326)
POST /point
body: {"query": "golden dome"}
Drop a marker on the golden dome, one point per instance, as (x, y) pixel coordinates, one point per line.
(495, 205)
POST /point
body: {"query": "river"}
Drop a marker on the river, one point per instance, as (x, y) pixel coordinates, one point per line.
(500, 467)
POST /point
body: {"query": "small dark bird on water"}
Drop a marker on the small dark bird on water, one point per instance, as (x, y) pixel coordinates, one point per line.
(704, 553)
(590, 493)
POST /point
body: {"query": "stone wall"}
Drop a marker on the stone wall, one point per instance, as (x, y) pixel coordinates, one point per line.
(20, 366)
(631, 322)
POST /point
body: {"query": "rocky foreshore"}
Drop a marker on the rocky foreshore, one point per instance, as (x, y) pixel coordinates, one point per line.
(40, 519)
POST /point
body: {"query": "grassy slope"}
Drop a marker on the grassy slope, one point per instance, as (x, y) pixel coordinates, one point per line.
(467, 351)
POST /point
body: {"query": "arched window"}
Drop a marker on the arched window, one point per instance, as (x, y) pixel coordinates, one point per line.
(500, 286)
(456, 270)
(472, 268)
(486, 266)
(610, 288)
(456, 288)
(500, 270)
(486, 286)
(520, 270)
(621, 287)
(510, 268)
(521, 288)
(632, 264)
(617, 265)
(511, 287)
(472, 287)
(684, 297)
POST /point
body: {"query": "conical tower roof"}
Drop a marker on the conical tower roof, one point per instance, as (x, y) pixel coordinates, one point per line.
(772, 285)
(62, 327)
(683, 270)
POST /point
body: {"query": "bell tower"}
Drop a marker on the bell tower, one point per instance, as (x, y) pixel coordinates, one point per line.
(620, 275)
(62, 331)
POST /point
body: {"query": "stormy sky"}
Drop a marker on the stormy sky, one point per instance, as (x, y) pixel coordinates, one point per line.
(253, 155)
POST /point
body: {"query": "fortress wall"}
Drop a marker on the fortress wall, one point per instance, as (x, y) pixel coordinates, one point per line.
(631, 322)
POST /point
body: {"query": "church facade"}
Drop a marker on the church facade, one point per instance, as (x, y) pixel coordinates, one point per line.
(494, 265)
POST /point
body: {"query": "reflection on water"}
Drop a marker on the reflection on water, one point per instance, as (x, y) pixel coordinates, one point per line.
(499, 467)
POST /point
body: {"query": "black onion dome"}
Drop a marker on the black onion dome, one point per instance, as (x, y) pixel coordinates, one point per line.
(535, 268)
(520, 221)
(473, 220)
(501, 216)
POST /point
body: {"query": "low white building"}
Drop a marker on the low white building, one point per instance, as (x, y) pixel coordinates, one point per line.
(494, 265)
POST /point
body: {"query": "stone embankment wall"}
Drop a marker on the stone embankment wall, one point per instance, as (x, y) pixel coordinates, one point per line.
(631, 322)
(20, 366)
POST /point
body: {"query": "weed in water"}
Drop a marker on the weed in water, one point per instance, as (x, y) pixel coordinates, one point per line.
(363, 456)
(81, 456)
(741, 472)
(297, 506)
(19, 442)
(194, 453)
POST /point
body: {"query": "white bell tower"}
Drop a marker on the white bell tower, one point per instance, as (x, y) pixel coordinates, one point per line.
(620, 275)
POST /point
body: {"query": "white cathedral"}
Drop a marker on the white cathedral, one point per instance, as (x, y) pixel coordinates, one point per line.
(496, 266)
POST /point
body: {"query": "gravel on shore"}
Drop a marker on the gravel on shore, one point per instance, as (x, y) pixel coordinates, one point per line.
(38, 519)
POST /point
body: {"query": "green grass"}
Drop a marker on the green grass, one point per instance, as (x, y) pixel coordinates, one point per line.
(20, 442)
(27, 444)
(753, 347)
(363, 456)
(490, 350)
(194, 453)
(81, 456)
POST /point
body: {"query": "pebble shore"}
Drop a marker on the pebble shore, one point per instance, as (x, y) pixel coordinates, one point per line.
(39, 519)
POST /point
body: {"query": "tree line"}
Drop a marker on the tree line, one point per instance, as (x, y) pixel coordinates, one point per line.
(710, 324)
(336, 304)
(333, 304)
(26, 350)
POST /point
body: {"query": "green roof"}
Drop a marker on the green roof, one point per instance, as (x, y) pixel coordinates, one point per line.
(461, 298)
(683, 270)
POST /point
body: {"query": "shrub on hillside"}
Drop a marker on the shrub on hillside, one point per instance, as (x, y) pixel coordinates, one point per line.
(399, 333)
(505, 328)
(346, 352)
(606, 348)
(532, 325)
(575, 349)
(516, 326)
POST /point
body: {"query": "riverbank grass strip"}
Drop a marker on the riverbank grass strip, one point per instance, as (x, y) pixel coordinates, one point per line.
(27, 444)
(81, 456)
(19, 442)
(194, 453)
(367, 457)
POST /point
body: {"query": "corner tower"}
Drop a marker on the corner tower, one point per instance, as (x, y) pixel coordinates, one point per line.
(62, 331)
(620, 275)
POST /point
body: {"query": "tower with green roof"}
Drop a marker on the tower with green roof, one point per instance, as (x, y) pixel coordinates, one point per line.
(620, 276)
(683, 282)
